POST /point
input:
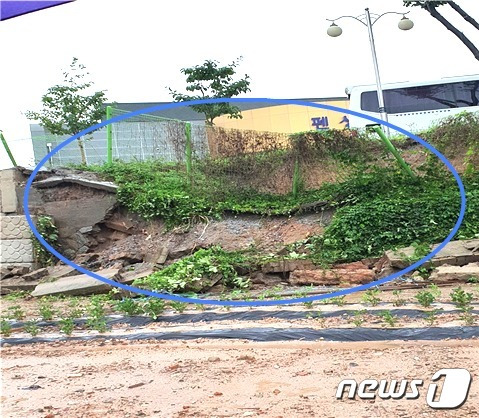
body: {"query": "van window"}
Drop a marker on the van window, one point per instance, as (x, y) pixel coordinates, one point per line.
(422, 98)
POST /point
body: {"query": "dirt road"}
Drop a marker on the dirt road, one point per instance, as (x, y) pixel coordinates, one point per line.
(220, 378)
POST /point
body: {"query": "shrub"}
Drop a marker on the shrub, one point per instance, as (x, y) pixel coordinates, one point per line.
(46, 310)
(32, 328)
(428, 297)
(128, 306)
(67, 325)
(5, 328)
(371, 296)
(153, 307)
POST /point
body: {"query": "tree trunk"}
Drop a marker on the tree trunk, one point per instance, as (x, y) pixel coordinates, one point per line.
(82, 151)
(435, 14)
(464, 14)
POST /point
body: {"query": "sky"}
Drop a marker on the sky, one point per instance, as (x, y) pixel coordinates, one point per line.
(135, 49)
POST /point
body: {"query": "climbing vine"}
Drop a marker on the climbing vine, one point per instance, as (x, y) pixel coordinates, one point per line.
(48, 230)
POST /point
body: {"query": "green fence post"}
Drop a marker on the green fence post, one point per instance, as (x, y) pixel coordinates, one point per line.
(296, 178)
(188, 152)
(7, 148)
(394, 151)
(109, 136)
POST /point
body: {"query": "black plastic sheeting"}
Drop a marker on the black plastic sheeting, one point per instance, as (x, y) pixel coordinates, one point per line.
(253, 315)
(280, 334)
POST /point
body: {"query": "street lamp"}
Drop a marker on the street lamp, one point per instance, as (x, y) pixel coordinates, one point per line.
(404, 24)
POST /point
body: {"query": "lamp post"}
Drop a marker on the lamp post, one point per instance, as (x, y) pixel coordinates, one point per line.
(404, 24)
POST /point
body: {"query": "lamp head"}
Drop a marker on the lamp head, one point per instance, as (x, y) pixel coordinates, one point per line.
(334, 30)
(405, 23)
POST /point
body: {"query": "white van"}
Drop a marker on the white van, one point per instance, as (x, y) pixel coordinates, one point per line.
(416, 106)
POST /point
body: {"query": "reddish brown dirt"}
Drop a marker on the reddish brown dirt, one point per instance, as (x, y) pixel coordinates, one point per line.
(223, 378)
(231, 233)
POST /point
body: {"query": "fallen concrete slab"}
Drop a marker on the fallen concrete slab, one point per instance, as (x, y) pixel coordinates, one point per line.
(94, 184)
(77, 285)
(284, 266)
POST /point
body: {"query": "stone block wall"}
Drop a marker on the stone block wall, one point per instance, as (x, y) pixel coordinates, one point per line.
(16, 248)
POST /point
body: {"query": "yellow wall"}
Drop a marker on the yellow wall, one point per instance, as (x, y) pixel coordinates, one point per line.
(286, 118)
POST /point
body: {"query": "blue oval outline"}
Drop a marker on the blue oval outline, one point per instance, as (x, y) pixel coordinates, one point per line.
(246, 303)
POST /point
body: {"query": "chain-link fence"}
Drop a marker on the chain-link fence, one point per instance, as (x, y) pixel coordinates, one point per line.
(139, 138)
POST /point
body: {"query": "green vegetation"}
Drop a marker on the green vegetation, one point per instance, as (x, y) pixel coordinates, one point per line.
(15, 312)
(198, 272)
(431, 317)
(371, 297)
(463, 301)
(68, 108)
(178, 307)
(67, 325)
(427, 297)
(389, 318)
(157, 190)
(153, 307)
(96, 314)
(424, 211)
(128, 306)
(76, 311)
(209, 81)
(49, 232)
(338, 300)
(398, 300)
(378, 207)
(13, 296)
(5, 328)
(358, 317)
(46, 309)
(32, 328)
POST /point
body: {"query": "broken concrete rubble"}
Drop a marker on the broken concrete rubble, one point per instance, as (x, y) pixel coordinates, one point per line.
(5, 273)
(121, 226)
(314, 277)
(10, 271)
(457, 253)
(448, 273)
(284, 266)
(158, 257)
(128, 257)
(36, 275)
(333, 277)
(136, 271)
(15, 283)
(265, 279)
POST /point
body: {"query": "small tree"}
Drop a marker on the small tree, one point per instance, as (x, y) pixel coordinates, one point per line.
(71, 107)
(210, 81)
(431, 7)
